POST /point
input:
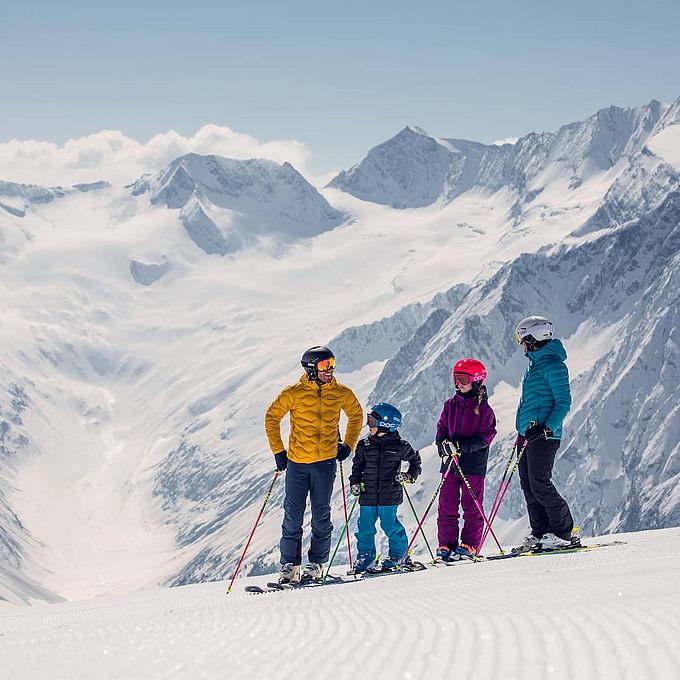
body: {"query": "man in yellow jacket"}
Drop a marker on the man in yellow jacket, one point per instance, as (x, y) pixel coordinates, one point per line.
(314, 404)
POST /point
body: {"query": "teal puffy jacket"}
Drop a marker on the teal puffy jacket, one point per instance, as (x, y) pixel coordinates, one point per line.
(546, 398)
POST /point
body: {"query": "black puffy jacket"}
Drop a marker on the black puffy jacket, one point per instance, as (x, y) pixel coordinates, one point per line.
(377, 462)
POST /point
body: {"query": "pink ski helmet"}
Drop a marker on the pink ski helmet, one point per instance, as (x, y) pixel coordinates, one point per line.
(473, 369)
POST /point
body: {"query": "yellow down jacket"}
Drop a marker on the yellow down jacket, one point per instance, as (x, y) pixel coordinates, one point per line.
(314, 420)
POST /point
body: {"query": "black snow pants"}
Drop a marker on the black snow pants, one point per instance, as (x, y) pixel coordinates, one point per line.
(548, 511)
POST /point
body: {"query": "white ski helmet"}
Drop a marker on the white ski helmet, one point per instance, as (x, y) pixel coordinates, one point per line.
(534, 329)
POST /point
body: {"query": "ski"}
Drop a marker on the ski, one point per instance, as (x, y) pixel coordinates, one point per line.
(376, 572)
(557, 551)
(276, 587)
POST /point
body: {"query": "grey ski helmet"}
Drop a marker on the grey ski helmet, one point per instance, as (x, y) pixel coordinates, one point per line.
(533, 330)
(311, 358)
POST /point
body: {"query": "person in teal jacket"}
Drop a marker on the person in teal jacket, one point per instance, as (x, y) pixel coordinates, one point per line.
(543, 406)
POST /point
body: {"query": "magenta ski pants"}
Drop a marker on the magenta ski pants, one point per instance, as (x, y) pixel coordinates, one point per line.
(455, 494)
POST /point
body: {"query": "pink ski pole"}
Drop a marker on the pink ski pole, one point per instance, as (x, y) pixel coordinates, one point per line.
(505, 489)
(434, 498)
(451, 449)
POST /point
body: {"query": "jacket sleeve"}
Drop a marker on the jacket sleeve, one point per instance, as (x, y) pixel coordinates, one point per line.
(355, 419)
(412, 457)
(486, 434)
(272, 420)
(471, 444)
(557, 377)
(443, 424)
(358, 465)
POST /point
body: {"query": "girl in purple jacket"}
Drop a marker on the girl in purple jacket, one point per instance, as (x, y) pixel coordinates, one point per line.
(469, 423)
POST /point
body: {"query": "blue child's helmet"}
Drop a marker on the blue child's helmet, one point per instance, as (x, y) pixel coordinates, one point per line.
(385, 416)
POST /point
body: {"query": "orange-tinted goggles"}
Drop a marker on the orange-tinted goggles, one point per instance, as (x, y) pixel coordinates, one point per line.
(461, 379)
(371, 421)
(325, 365)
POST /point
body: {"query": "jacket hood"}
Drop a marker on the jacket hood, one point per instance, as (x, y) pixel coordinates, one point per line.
(554, 347)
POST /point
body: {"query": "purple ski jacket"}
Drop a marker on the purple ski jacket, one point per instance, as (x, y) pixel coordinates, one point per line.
(474, 432)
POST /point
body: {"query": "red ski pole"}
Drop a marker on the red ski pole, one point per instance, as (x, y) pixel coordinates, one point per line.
(250, 538)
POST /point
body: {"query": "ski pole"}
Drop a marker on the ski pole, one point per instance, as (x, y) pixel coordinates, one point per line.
(250, 538)
(472, 493)
(500, 484)
(344, 505)
(434, 498)
(492, 512)
(342, 535)
(417, 520)
(507, 484)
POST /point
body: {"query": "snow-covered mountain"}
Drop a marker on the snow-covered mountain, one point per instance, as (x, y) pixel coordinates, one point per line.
(414, 169)
(15, 198)
(226, 204)
(135, 367)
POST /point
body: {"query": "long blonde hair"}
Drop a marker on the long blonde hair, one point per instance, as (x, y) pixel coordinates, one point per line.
(481, 396)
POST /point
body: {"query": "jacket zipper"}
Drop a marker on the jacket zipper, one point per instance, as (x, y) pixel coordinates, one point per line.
(318, 432)
(379, 461)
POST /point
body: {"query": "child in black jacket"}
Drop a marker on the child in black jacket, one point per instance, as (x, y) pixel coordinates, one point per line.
(377, 479)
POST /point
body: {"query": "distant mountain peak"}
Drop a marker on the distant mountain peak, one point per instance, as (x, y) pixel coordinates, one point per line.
(414, 169)
(227, 203)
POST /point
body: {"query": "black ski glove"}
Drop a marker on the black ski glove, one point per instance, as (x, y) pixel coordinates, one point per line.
(281, 459)
(343, 451)
(537, 432)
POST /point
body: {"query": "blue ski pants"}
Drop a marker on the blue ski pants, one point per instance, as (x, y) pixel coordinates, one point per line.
(393, 528)
(316, 481)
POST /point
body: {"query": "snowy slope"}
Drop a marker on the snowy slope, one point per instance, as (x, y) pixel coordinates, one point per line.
(135, 367)
(605, 614)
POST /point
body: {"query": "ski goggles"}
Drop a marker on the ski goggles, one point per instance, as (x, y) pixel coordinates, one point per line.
(461, 379)
(371, 421)
(325, 365)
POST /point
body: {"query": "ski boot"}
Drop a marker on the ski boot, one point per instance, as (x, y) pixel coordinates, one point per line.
(312, 572)
(393, 563)
(444, 553)
(362, 563)
(466, 551)
(530, 543)
(550, 541)
(289, 574)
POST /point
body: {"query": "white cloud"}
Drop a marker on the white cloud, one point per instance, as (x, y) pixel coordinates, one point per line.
(507, 140)
(112, 156)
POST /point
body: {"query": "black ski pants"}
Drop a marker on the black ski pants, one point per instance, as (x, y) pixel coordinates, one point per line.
(548, 511)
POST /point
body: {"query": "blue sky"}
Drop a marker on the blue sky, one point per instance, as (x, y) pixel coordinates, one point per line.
(339, 78)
